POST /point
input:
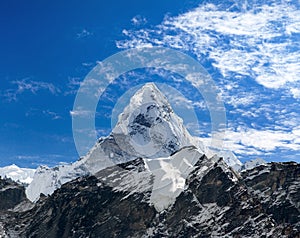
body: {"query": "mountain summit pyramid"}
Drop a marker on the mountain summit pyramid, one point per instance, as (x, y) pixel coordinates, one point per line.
(147, 128)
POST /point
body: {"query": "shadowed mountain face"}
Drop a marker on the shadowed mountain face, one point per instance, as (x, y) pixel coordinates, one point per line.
(277, 185)
(11, 194)
(216, 202)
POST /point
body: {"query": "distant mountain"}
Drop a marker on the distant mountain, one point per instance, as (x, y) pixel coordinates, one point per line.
(230, 158)
(252, 164)
(22, 175)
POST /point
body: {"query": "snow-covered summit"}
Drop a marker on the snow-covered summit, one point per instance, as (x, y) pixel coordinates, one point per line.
(148, 126)
(149, 93)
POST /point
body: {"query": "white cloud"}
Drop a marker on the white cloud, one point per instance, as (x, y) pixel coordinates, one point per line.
(295, 92)
(260, 42)
(200, 104)
(248, 140)
(138, 20)
(244, 99)
(178, 100)
(82, 113)
(104, 132)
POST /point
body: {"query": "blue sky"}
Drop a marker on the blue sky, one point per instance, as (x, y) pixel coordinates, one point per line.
(46, 48)
(251, 49)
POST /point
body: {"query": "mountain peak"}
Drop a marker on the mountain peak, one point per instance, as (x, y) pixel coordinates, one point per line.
(149, 93)
(148, 126)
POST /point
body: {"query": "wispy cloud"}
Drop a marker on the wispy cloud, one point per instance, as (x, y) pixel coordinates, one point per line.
(27, 157)
(52, 115)
(44, 113)
(36, 160)
(34, 86)
(242, 99)
(60, 138)
(72, 85)
(28, 85)
(82, 113)
(84, 33)
(250, 142)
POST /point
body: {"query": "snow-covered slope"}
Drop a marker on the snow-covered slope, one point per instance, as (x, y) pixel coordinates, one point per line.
(46, 180)
(23, 175)
(170, 174)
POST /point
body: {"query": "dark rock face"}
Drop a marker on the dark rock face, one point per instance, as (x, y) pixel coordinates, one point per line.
(262, 202)
(11, 194)
(216, 206)
(277, 185)
(88, 211)
(86, 207)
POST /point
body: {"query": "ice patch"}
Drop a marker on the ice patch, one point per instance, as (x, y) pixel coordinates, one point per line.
(169, 176)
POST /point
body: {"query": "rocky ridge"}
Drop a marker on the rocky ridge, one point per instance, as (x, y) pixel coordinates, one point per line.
(216, 202)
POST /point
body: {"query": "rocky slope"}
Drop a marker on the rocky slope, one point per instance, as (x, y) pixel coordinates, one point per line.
(11, 194)
(215, 202)
(277, 185)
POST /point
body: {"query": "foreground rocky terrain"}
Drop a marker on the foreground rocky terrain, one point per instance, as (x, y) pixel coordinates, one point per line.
(216, 202)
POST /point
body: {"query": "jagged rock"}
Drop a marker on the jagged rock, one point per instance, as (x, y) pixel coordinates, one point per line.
(278, 187)
(11, 194)
(216, 202)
